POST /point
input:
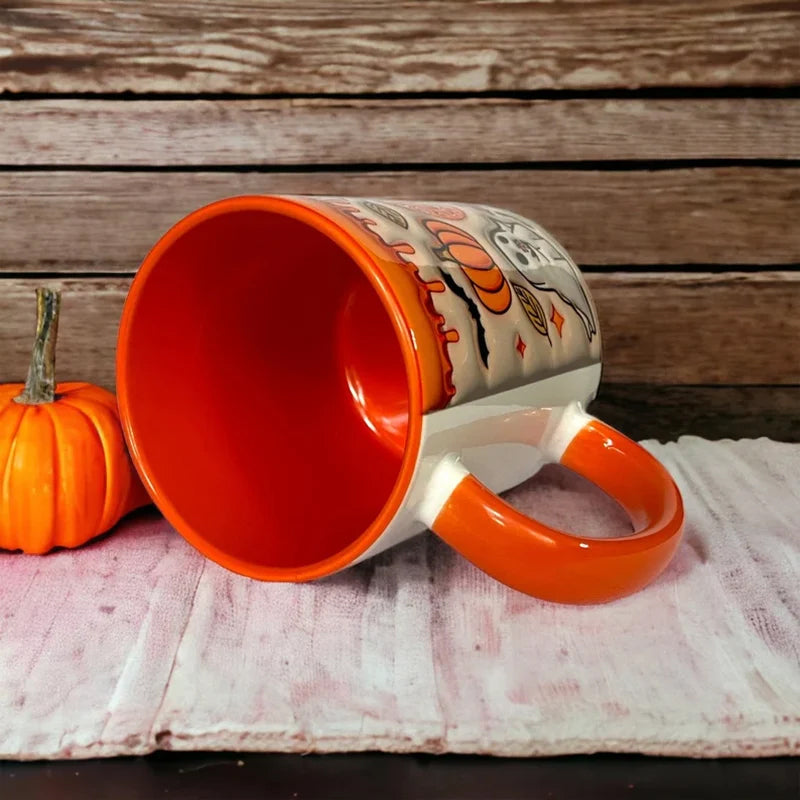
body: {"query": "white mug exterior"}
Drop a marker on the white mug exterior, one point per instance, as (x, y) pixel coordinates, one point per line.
(500, 439)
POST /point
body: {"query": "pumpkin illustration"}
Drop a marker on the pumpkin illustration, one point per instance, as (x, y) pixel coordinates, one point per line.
(486, 277)
(65, 475)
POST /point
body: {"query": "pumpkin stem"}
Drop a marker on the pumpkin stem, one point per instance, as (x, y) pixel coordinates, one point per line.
(40, 387)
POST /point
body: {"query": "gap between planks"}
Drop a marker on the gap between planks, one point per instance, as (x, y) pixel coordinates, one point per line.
(714, 412)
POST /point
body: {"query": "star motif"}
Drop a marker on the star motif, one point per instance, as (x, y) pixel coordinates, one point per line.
(521, 346)
(556, 319)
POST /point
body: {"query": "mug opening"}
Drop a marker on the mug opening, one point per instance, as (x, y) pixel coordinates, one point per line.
(268, 388)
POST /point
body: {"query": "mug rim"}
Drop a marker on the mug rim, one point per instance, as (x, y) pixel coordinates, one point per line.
(365, 259)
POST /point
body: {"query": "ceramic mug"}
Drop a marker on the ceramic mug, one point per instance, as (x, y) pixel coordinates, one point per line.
(306, 381)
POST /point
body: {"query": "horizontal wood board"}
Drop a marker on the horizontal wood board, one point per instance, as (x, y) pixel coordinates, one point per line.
(320, 132)
(107, 221)
(680, 328)
(714, 412)
(395, 46)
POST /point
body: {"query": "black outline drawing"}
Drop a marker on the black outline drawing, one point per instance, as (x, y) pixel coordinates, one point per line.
(474, 312)
(387, 213)
(518, 290)
(586, 315)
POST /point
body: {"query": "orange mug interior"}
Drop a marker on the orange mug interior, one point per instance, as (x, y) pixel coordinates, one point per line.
(268, 388)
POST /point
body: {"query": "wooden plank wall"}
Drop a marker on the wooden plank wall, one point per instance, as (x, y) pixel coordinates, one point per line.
(660, 141)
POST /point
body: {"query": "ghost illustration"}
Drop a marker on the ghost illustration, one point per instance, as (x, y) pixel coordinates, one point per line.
(543, 265)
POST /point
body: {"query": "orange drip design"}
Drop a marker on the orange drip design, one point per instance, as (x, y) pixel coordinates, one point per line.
(425, 289)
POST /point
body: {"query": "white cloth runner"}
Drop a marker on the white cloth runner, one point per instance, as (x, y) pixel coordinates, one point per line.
(137, 643)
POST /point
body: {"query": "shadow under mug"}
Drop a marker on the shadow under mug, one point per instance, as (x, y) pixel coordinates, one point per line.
(306, 381)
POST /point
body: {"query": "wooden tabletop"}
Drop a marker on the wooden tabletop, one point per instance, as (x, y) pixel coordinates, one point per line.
(246, 776)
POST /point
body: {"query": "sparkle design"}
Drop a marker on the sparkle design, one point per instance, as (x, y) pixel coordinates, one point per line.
(521, 346)
(556, 319)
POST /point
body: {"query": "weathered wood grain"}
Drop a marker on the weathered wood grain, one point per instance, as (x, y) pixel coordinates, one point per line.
(714, 412)
(107, 221)
(673, 328)
(379, 131)
(678, 328)
(395, 46)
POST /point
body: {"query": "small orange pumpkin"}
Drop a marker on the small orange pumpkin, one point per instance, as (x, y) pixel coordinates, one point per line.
(65, 475)
(487, 279)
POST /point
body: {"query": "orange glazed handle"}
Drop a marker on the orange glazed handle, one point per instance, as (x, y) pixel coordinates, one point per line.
(547, 563)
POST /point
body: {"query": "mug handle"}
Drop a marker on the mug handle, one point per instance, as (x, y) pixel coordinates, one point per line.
(548, 563)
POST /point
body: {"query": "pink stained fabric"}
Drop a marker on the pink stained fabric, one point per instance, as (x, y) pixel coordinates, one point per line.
(136, 642)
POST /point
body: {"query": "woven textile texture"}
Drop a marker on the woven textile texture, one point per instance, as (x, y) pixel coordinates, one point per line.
(137, 642)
